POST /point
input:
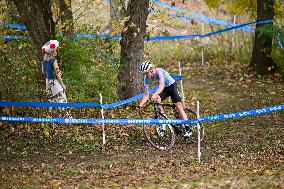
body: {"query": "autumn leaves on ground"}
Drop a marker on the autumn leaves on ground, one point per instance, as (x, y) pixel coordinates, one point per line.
(237, 153)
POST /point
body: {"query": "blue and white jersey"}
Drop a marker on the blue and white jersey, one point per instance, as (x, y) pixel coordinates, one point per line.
(159, 75)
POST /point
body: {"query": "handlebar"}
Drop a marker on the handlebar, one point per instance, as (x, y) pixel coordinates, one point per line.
(153, 102)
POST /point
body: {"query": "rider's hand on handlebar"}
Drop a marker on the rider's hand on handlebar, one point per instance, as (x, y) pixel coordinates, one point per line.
(154, 97)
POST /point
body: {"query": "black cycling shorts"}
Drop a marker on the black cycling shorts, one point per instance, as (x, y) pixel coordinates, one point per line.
(171, 91)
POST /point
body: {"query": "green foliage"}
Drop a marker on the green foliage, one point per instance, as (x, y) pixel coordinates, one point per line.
(250, 6)
(86, 73)
(235, 6)
(240, 7)
(217, 49)
(19, 72)
(212, 3)
(277, 54)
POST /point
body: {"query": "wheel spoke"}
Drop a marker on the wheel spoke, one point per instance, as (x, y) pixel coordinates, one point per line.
(160, 136)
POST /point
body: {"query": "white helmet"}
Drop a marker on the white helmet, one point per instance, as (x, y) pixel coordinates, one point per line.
(145, 66)
(50, 46)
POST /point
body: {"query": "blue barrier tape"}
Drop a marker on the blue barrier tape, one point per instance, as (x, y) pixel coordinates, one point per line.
(132, 99)
(135, 98)
(113, 60)
(208, 34)
(13, 37)
(173, 37)
(242, 114)
(279, 42)
(200, 16)
(49, 104)
(193, 35)
(16, 26)
(147, 121)
(79, 105)
(235, 27)
(177, 36)
(158, 3)
(80, 35)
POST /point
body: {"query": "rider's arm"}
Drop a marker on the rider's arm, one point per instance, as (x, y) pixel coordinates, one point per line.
(144, 99)
(161, 85)
(146, 93)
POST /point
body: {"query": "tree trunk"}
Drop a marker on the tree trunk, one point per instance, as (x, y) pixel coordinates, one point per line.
(261, 60)
(132, 49)
(66, 17)
(37, 17)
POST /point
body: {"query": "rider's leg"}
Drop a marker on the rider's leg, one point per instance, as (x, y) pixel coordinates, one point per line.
(159, 100)
(176, 98)
(179, 108)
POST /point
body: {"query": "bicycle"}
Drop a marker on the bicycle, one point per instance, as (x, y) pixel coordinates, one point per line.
(163, 136)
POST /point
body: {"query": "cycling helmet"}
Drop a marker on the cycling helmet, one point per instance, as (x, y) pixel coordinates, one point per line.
(50, 46)
(145, 66)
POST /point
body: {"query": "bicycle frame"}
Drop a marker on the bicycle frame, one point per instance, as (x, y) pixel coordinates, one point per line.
(178, 129)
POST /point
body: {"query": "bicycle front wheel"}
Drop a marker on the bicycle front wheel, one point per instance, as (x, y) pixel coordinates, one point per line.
(161, 136)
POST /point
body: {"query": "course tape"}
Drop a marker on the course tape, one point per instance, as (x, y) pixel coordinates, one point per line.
(16, 26)
(50, 104)
(208, 34)
(217, 117)
(237, 26)
(79, 105)
(13, 37)
(242, 114)
(200, 16)
(279, 42)
(132, 99)
(9, 37)
(159, 38)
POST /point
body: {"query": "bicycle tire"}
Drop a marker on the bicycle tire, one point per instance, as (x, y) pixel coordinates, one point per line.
(158, 141)
(192, 116)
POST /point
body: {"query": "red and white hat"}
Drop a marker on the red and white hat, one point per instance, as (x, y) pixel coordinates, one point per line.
(50, 46)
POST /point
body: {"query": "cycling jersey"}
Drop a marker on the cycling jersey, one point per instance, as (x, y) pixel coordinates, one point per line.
(159, 74)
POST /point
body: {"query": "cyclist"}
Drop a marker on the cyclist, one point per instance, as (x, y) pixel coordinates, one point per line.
(167, 87)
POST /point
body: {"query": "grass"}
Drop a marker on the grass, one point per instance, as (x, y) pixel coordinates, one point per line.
(237, 153)
(245, 152)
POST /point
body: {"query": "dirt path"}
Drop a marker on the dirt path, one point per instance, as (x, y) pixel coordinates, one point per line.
(237, 153)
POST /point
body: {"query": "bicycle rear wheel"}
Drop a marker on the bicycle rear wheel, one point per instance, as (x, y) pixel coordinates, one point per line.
(192, 116)
(161, 136)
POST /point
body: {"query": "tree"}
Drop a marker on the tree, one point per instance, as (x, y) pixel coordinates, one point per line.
(37, 17)
(261, 60)
(66, 17)
(132, 48)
